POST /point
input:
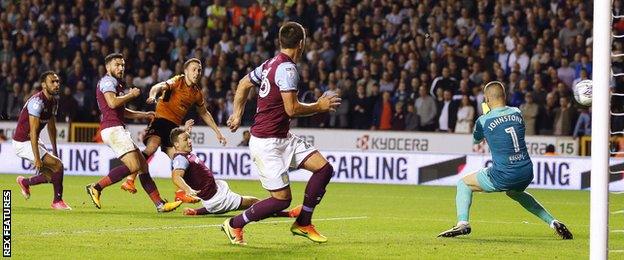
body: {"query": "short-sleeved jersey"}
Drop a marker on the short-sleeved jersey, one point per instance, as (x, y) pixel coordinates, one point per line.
(196, 174)
(178, 99)
(503, 128)
(274, 76)
(109, 117)
(38, 106)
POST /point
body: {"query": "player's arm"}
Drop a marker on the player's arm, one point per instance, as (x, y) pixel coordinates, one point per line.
(240, 98)
(113, 101)
(35, 122)
(52, 134)
(155, 90)
(180, 166)
(294, 108)
(35, 108)
(477, 134)
(203, 112)
(132, 114)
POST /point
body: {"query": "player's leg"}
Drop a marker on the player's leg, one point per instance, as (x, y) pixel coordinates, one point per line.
(474, 182)
(151, 145)
(137, 161)
(24, 151)
(279, 201)
(56, 168)
(532, 205)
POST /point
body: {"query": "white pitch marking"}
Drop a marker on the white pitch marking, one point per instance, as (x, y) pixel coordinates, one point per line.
(79, 232)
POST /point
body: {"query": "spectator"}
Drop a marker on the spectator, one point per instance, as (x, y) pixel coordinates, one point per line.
(383, 113)
(550, 150)
(426, 109)
(412, 119)
(447, 116)
(563, 117)
(67, 106)
(15, 101)
(3, 137)
(86, 110)
(465, 116)
(361, 109)
(565, 73)
(245, 141)
(529, 113)
(547, 116)
(583, 124)
(398, 118)
(338, 118)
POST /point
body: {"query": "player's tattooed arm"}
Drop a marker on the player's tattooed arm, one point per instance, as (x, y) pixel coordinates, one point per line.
(155, 90)
(207, 117)
(131, 114)
(242, 91)
(113, 101)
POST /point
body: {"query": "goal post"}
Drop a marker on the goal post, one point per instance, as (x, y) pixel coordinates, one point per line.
(601, 113)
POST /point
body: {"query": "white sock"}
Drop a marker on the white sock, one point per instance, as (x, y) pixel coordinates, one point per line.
(462, 223)
(552, 224)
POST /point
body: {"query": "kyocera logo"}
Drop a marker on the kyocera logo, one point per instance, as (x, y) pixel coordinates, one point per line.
(362, 142)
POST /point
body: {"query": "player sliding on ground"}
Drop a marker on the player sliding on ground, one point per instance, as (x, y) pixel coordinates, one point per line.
(273, 148)
(40, 109)
(111, 100)
(177, 96)
(512, 171)
(192, 176)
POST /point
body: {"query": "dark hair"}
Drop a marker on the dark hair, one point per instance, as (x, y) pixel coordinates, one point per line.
(112, 56)
(45, 75)
(550, 148)
(173, 136)
(290, 35)
(189, 61)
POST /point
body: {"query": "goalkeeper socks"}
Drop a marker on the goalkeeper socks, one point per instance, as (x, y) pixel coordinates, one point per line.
(463, 199)
(150, 188)
(57, 183)
(261, 210)
(37, 179)
(114, 176)
(529, 203)
(315, 189)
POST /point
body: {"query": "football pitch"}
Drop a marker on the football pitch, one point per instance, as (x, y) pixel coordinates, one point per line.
(360, 220)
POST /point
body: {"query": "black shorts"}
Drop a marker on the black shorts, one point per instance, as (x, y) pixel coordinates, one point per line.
(162, 128)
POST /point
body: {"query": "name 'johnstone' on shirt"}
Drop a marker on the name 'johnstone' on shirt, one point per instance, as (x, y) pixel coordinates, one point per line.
(503, 119)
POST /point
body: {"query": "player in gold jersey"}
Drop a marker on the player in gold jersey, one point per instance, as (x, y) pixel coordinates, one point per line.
(177, 95)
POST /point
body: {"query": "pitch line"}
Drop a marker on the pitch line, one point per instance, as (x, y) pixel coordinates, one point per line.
(616, 251)
(617, 231)
(139, 229)
(618, 212)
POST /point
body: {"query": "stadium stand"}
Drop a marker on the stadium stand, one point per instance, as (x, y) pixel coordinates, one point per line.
(362, 49)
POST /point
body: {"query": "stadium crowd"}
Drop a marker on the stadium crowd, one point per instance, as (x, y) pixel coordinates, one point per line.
(415, 65)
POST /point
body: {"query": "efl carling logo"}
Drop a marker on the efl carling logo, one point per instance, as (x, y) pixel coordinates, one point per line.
(362, 142)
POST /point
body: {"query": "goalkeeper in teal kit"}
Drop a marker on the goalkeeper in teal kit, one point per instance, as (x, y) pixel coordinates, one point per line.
(512, 170)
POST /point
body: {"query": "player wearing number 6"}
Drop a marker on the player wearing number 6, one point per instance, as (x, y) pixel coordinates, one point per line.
(512, 171)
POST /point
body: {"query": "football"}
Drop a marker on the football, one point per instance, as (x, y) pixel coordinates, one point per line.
(583, 92)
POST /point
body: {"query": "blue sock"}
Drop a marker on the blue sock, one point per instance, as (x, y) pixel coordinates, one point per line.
(463, 200)
(529, 203)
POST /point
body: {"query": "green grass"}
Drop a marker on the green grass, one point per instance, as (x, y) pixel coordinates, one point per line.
(390, 221)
